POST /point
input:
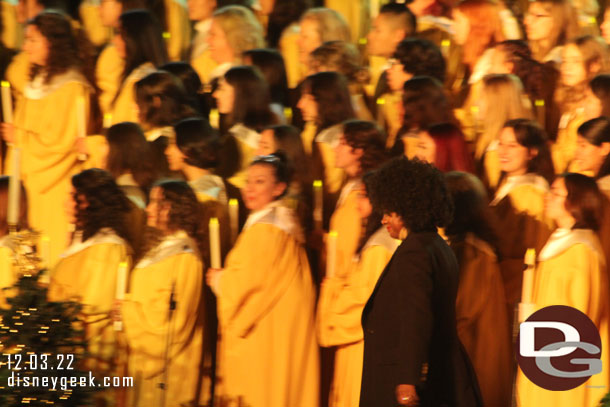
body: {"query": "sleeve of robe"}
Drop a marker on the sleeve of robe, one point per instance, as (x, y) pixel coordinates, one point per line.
(342, 300)
(92, 23)
(11, 29)
(179, 28)
(18, 73)
(108, 70)
(347, 222)
(255, 276)
(145, 313)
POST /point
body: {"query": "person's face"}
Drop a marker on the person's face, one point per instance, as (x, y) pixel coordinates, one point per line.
(219, 46)
(363, 203)
(36, 46)
(555, 201)
(397, 75)
(513, 156)
(157, 211)
(461, 27)
(592, 105)
(28, 9)
(261, 187)
(605, 26)
(175, 157)
(347, 157)
(200, 10)
(104, 150)
(499, 64)
(383, 38)
(538, 22)
(573, 70)
(225, 97)
(266, 6)
(266, 144)
(70, 205)
(590, 157)
(426, 147)
(119, 45)
(309, 39)
(110, 11)
(308, 107)
(393, 223)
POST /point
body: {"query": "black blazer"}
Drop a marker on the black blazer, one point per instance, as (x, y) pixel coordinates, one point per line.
(409, 326)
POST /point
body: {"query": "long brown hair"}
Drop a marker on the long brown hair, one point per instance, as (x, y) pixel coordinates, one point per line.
(565, 27)
(485, 28)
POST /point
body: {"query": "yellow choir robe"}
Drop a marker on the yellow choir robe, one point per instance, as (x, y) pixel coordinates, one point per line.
(268, 351)
(87, 273)
(8, 274)
(340, 306)
(108, 71)
(247, 142)
(519, 208)
(356, 13)
(571, 271)
(209, 187)
(179, 29)
(388, 107)
(46, 131)
(12, 32)
(18, 73)
(325, 142)
(204, 65)
(482, 323)
(124, 107)
(97, 33)
(346, 221)
(174, 263)
(289, 48)
(564, 148)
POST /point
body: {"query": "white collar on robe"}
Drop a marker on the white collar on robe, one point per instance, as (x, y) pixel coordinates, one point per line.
(604, 183)
(211, 185)
(127, 180)
(246, 135)
(200, 43)
(172, 245)
(36, 89)
(382, 238)
(140, 72)
(515, 181)
(167, 131)
(104, 235)
(562, 239)
(330, 135)
(278, 215)
(347, 189)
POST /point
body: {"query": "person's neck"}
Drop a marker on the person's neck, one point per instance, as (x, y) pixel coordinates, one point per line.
(519, 172)
(353, 171)
(192, 173)
(566, 222)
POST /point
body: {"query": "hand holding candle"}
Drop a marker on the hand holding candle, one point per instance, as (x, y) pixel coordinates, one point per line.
(331, 254)
(318, 204)
(7, 102)
(121, 287)
(214, 243)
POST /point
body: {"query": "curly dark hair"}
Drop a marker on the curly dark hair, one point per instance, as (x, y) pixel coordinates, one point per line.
(106, 206)
(600, 86)
(415, 191)
(421, 57)
(361, 134)
(425, 103)
(584, 201)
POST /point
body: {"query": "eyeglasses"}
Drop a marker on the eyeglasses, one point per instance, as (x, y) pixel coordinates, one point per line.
(270, 159)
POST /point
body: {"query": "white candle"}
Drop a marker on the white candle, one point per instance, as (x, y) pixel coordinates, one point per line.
(234, 218)
(121, 287)
(107, 120)
(214, 118)
(14, 189)
(528, 277)
(215, 243)
(331, 253)
(7, 102)
(318, 204)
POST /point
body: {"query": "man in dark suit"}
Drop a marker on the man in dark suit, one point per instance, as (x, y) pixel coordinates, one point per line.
(412, 355)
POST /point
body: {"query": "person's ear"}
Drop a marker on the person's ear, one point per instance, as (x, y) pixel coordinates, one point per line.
(605, 149)
(157, 101)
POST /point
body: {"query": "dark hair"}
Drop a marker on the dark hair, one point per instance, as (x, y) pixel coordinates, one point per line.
(529, 134)
(368, 137)
(284, 13)
(451, 149)
(252, 98)
(288, 140)
(472, 213)
(421, 57)
(143, 40)
(425, 103)
(415, 191)
(161, 99)
(530, 71)
(342, 57)
(281, 168)
(371, 224)
(107, 206)
(68, 48)
(584, 201)
(189, 78)
(185, 210)
(331, 93)
(403, 13)
(271, 64)
(198, 142)
(128, 151)
(23, 206)
(600, 86)
(597, 131)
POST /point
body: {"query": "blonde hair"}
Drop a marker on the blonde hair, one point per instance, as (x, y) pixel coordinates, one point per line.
(339, 56)
(505, 100)
(331, 25)
(242, 29)
(485, 28)
(565, 27)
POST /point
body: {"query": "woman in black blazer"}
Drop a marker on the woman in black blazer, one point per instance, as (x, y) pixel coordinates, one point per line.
(412, 355)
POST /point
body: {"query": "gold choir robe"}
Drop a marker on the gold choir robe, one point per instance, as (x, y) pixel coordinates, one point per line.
(482, 323)
(89, 12)
(388, 114)
(12, 31)
(571, 271)
(564, 148)
(18, 73)
(289, 48)
(108, 71)
(340, 306)
(269, 354)
(173, 264)
(87, 273)
(46, 131)
(325, 142)
(124, 107)
(247, 142)
(346, 221)
(8, 274)
(178, 28)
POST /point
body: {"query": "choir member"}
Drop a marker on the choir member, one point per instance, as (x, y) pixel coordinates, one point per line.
(271, 64)
(444, 146)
